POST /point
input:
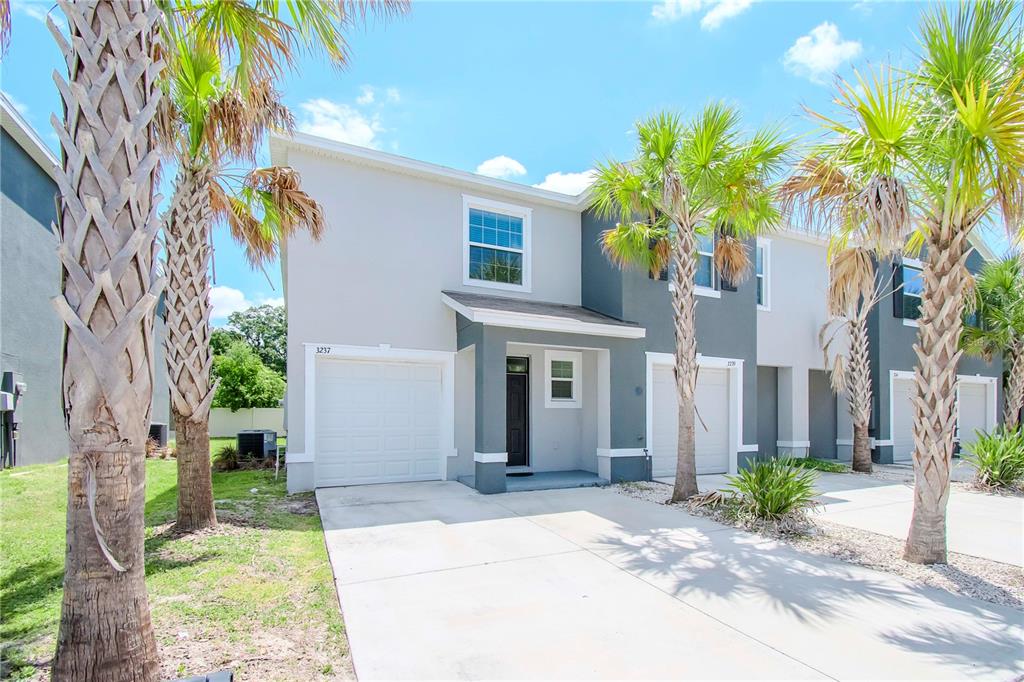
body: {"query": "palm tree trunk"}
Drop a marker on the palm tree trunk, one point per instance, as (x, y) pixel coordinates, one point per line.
(107, 227)
(189, 361)
(860, 394)
(683, 309)
(1014, 394)
(938, 354)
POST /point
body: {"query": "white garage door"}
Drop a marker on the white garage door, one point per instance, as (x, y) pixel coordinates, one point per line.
(377, 422)
(712, 448)
(973, 412)
(902, 420)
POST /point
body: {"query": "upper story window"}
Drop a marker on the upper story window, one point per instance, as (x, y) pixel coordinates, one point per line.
(762, 268)
(496, 244)
(913, 285)
(705, 274)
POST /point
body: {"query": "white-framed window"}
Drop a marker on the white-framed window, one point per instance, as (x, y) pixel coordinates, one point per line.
(705, 273)
(762, 273)
(496, 244)
(562, 374)
(913, 286)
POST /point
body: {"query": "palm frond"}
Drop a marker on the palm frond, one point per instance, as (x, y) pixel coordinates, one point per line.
(639, 245)
(851, 281)
(5, 25)
(732, 258)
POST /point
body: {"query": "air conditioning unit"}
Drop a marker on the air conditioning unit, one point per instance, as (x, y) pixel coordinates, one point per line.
(258, 443)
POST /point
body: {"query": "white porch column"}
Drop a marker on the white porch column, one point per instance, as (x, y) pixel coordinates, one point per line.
(794, 391)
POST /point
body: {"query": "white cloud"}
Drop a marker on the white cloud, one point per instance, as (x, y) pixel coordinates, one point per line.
(715, 11)
(16, 103)
(339, 121)
(225, 300)
(367, 97)
(393, 95)
(501, 167)
(722, 10)
(567, 183)
(31, 8)
(818, 54)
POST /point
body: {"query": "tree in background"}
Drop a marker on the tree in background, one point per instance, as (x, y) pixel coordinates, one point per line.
(998, 307)
(265, 329)
(244, 381)
(221, 339)
(689, 178)
(107, 229)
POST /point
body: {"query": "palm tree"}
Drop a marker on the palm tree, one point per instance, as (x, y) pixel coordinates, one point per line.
(214, 117)
(951, 132)
(998, 306)
(699, 177)
(107, 228)
(823, 196)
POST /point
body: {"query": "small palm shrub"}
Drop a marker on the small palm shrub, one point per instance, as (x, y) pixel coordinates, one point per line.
(774, 490)
(226, 458)
(999, 457)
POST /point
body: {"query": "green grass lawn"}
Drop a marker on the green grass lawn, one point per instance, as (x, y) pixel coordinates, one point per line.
(257, 595)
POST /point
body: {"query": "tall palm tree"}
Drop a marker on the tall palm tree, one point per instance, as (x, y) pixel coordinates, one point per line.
(952, 131)
(107, 227)
(998, 306)
(698, 177)
(216, 116)
(823, 196)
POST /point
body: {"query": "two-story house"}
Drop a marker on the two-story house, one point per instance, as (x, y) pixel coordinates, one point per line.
(453, 326)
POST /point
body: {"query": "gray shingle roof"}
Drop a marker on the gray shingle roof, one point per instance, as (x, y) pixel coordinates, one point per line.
(529, 307)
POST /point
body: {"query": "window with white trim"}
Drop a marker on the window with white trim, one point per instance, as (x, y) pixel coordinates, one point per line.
(562, 378)
(496, 243)
(762, 268)
(705, 273)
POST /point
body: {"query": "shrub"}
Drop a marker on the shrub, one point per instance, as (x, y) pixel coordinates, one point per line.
(773, 489)
(226, 458)
(829, 465)
(998, 456)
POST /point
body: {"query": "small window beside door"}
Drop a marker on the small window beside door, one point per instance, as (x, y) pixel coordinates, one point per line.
(562, 376)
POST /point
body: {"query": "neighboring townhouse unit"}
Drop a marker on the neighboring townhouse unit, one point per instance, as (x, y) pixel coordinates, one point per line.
(31, 333)
(454, 326)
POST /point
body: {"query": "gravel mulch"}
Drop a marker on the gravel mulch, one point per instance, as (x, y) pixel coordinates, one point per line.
(970, 576)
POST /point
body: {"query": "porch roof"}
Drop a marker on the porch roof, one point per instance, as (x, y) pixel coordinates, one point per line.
(503, 311)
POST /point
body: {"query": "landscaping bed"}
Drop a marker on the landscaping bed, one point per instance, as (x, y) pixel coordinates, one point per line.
(970, 576)
(255, 595)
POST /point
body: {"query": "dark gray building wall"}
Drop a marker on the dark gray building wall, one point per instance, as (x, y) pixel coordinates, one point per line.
(601, 285)
(767, 411)
(892, 348)
(822, 419)
(30, 331)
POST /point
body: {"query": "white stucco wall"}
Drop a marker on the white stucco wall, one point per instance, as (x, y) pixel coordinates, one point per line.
(787, 333)
(393, 242)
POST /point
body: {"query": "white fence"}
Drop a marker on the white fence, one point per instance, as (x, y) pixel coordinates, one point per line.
(224, 422)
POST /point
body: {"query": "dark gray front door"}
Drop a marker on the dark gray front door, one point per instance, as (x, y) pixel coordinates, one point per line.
(517, 412)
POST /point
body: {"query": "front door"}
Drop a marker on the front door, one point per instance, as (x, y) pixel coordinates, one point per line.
(517, 411)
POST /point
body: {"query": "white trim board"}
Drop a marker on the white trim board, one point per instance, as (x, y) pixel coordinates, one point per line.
(492, 458)
(517, 320)
(621, 452)
(735, 367)
(27, 138)
(327, 352)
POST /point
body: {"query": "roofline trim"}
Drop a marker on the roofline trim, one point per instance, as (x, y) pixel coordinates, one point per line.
(26, 136)
(516, 320)
(280, 144)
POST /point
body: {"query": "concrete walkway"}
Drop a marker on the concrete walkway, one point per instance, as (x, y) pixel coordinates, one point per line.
(439, 582)
(978, 524)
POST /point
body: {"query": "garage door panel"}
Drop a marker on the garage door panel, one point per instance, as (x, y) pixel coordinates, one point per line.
(377, 421)
(974, 411)
(712, 402)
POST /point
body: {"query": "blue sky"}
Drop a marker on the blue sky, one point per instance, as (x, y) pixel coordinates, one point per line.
(535, 92)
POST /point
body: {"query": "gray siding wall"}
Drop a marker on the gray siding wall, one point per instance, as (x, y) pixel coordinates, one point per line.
(30, 331)
(767, 410)
(822, 416)
(892, 348)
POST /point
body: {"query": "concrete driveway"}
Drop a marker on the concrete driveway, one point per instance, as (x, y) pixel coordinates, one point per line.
(978, 524)
(439, 582)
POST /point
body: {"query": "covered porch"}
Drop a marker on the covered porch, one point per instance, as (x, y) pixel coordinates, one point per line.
(545, 381)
